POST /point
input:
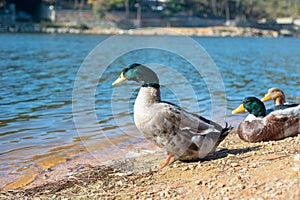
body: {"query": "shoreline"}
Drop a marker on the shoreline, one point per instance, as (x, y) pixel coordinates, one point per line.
(236, 170)
(214, 31)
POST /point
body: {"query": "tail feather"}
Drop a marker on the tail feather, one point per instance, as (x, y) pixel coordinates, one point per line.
(225, 131)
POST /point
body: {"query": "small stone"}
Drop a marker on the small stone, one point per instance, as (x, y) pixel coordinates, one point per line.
(94, 191)
(161, 194)
(234, 164)
(204, 183)
(119, 183)
(192, 166)
(129, 173)
(221, 185)
(175, 165)
(230, 155)
(48, 170)
(243, 170)
(199, 166)
(242, 187)
(185, 168)
(198, 182)
(253, 165)
(279, 184)
(45, 176)
(119, 174)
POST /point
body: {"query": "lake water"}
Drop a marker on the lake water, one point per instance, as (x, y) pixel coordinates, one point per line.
(57, 101)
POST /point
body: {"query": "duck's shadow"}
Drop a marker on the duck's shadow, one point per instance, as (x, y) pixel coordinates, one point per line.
(223, 153)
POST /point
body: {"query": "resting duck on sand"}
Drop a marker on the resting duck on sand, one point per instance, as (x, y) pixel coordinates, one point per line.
(259, 127)
(278, 96)
(185, 136)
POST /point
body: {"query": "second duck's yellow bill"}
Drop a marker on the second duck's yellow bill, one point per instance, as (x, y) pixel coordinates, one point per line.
(119, 80)
(239, 109)
(266, 98)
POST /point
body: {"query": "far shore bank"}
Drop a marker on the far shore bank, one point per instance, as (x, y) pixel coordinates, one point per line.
(214, 31)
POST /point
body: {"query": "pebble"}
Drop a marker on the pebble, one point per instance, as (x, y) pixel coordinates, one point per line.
(253, 165)
(119, 174)
(185, 168)
(234, 165)
(242, 186)
(279, 184)
(119, 183)
(161, 194)
(243, 170)
(199, 166)
(48, 170)
(221, 185)
(45, 176)
(129, 173)
(198, 182)
(192, 166)
(297, 158)
(230, 155)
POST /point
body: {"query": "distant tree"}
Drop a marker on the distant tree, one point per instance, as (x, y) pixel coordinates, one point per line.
(102, 6)
(230, 9)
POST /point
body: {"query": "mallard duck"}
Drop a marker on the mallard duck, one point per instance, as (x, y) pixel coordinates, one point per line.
(277, 95)
(258, 126)
(184, 135)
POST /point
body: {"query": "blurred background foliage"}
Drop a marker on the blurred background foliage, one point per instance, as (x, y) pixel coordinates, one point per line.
(234, 9)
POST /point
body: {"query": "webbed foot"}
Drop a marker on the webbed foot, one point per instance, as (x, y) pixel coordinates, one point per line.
(169, 160)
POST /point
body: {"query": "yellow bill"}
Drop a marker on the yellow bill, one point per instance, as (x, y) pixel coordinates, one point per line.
(239, 109)
(266, 97)
(119, 80)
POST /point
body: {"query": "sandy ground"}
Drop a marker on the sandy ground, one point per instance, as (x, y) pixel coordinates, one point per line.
(237, 170)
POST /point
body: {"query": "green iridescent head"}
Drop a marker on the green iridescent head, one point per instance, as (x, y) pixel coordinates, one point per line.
(138, 73)
(253, 105)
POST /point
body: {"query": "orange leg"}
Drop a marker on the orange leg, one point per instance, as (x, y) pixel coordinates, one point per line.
(170, 155)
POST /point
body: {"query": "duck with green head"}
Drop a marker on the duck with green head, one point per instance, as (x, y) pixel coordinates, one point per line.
(258, 126)
(184, 135)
